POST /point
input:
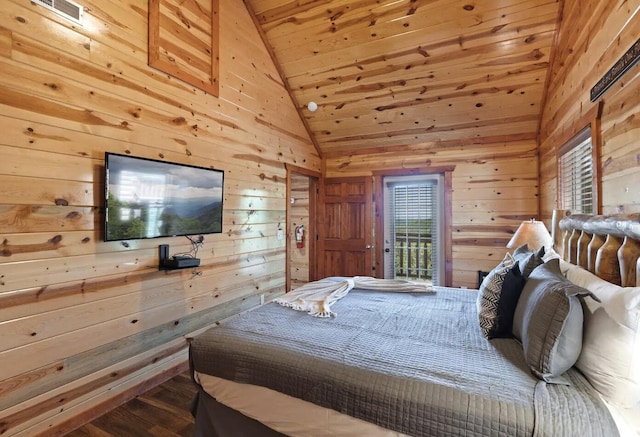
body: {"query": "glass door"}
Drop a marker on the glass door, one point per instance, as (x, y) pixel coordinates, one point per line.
(413, 228)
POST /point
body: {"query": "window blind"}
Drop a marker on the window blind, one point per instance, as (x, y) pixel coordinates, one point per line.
(576, 174)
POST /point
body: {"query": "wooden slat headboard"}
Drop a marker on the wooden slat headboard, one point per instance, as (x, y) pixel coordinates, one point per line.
(606, 245)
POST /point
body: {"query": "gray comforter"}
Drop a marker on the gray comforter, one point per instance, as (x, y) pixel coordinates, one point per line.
(414, 363)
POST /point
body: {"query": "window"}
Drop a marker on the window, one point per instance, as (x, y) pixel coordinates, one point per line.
(576, 174)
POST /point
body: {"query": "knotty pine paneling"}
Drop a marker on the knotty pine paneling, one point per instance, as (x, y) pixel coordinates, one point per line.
(494, 188)
(299, 215)
(592, 37)
(82, 319)
(390, 73)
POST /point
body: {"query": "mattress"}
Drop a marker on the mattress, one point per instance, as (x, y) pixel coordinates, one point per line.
(416, 364)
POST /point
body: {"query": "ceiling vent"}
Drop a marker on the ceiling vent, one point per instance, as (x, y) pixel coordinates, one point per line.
(66, 8)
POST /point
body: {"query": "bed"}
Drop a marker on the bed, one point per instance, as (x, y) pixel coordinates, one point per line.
(432, 363)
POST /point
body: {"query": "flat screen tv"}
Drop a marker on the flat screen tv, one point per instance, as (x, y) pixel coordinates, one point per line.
(146, 198)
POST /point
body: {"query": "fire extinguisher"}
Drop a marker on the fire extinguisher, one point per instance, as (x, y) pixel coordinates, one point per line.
(299, 236)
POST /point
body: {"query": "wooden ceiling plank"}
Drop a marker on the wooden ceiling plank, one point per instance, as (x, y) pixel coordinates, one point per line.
(525, 124)
(349, 18)
(470, 146)
(521, 129)
(485, 43)
(274, 10)
(394, 37)
(429, 119)
(346, 16)
(351, 100)
(436, 73)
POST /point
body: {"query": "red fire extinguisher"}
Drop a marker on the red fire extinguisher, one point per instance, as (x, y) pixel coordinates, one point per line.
(299, 236)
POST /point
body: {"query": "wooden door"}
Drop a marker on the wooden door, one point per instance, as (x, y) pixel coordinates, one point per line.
(345, 225)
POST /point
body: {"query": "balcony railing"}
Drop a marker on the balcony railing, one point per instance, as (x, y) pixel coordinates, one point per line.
(414, 257)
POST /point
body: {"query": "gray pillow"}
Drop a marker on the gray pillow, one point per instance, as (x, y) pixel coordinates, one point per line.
(527, 259)
(549, 273)
(549, 321)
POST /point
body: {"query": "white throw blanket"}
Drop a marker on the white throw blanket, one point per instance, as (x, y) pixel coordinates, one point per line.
(317, 297)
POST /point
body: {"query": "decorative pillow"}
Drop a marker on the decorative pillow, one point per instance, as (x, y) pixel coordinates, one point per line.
(527, 259)
(506, 262)
(498, 297)
(549, 318)
(610, 357)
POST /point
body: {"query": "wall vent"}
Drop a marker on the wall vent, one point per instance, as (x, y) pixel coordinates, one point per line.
(66, 8)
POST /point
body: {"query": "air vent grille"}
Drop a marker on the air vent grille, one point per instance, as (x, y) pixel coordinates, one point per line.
(66, 8)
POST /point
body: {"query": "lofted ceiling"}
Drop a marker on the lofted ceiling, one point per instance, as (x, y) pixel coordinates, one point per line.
(387, 73)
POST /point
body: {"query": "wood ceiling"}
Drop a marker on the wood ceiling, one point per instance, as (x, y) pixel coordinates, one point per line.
(390, 73)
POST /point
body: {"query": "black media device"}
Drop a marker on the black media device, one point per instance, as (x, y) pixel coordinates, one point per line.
(181, 262)
(175, 262)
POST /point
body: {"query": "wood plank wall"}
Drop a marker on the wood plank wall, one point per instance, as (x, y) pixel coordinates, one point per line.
(299, 215)
(495, 187)
(82, 320)
(593, 36)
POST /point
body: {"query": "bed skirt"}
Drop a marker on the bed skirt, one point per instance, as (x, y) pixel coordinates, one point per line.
(214, 419)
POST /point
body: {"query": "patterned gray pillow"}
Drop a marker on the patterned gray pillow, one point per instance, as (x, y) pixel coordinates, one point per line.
(498, 298)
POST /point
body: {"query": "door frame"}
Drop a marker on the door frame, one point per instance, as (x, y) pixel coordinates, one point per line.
(378, 205)
(312, 232)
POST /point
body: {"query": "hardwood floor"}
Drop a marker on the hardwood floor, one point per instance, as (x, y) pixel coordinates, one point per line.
(163, 411)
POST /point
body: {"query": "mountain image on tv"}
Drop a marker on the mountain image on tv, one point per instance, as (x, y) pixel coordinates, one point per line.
(147, 199)
(191, 216)
(184, 217)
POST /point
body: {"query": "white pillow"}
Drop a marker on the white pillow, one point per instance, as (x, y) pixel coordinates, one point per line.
(610, 357)
(621, 303)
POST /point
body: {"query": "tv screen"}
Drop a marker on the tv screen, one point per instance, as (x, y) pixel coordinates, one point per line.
(146, 198)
